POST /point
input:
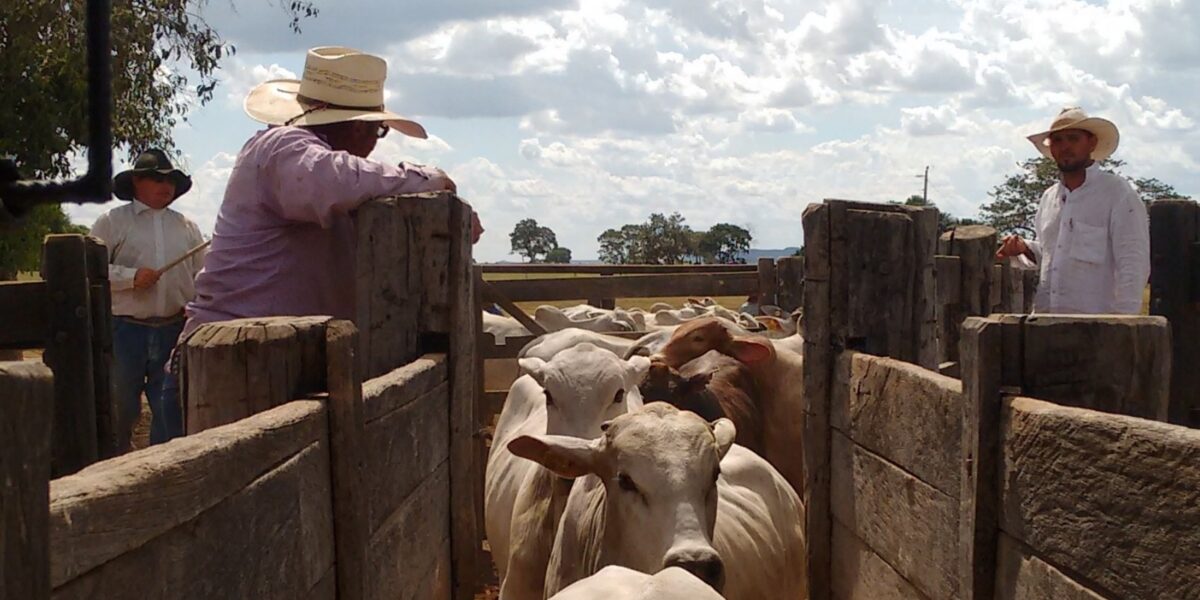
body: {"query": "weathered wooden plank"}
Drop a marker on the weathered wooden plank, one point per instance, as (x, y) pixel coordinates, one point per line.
(492, 294)
(925, 307)
(996, 290)
(975, 246)
(1023, 576)
(348, 457)
(880, 275)
(69, 353)
(818, 373)
(859, 573)
(100, 297)
(273, 539)
(326, 588)
(981, 353)
(26, 412)
(616, 269)
(789, 293)
(1119, 364)
(120, 504)
(949, 285)
(396, 389)
(1174, 231)
(768, 286)
(23, 304)
(907, 415)
(403, 448)
(402, 549)
(909, 524)
(512, 345)
(630, 286)
(238, 368)
(1132, 485)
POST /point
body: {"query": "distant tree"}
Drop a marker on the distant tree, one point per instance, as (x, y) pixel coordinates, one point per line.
(1015, 202)
(21, 245)
(724, 243)
(945, 220)
(664, 240)
(559, 255)
(532, 240)
(616, 246)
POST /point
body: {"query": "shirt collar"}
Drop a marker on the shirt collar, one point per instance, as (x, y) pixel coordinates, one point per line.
(139, 208)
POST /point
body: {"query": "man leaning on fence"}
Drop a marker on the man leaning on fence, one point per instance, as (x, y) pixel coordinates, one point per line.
(1093, 246)
(144, 239)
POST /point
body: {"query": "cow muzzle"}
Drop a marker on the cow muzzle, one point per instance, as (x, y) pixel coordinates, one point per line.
(704, 563)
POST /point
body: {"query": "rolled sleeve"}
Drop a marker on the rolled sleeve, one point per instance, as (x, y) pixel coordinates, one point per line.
(1130, 239)
(119, 277)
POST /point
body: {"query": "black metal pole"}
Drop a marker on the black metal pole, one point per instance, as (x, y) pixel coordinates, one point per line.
(18, 196)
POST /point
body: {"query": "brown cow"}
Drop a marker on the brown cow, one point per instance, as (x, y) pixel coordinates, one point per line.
(712, 386)
(778, 376)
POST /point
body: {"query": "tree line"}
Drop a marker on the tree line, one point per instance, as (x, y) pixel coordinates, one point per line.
(661, 240)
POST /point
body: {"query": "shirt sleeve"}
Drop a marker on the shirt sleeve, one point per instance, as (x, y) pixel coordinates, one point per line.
(1130, 238)
(119, 277)
(312, 183)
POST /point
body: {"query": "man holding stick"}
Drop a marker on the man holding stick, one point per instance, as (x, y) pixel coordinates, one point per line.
(154, 255)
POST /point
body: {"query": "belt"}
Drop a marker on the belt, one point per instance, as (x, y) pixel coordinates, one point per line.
(153, 321)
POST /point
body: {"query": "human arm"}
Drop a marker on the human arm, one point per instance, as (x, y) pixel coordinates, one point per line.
(1129, 234)
(119, 277)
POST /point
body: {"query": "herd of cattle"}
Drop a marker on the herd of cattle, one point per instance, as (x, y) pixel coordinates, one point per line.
(666, 467)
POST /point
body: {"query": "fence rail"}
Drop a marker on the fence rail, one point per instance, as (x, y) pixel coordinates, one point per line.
(618, 269)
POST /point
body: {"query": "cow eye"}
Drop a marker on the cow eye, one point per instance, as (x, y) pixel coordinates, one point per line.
(626, 483)
(549, 398)
(619, 396)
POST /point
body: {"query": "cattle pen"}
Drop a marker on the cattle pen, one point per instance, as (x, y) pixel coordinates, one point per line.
(950, 452)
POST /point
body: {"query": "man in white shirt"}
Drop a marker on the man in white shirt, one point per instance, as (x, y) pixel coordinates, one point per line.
(144, 236)
(1093, 246)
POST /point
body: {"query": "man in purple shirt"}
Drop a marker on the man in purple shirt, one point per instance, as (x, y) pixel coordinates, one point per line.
(284, 239)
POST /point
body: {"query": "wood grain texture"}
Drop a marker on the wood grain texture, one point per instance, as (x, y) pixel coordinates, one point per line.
(880, 274)
(789, 293)
(768, 284)
(975, 247)
(273, 539)
(238, 368)
(348, 457)
(404, 550)
(818, 374)
(981, 353)
(910, 416)
(1174, 231)
(100, 299)
(113, 507)
(394, 390)
(1132, 485)
(860, 574)
(403, 448)
(26, 413)
(909, 524)
(1022, 576)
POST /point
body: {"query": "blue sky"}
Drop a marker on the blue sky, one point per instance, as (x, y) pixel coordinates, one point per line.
(590, 114)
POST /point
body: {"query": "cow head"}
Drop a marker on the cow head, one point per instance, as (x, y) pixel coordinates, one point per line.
(666, 384)
(585, 386)
(659, 467)
(695, 338)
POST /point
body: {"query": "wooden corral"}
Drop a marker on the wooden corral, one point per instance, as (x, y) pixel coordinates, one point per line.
(1175, 294)
(936, 488)
(67, 313)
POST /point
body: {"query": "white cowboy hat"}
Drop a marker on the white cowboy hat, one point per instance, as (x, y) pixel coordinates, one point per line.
(339, 84)
(1106, 133)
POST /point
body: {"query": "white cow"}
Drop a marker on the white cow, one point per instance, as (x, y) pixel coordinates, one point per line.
(547, 346)
(572, 394)
(663, 488)
(502, 327)
(554, 319)
(619, 583)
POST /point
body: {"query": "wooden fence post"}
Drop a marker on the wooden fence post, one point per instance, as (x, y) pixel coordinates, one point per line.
(347, 464)
(69, 353)
(235, 369)
(820, 348)
(979, 496)
(102, 349)
(466, 456)
(767, 282)
(26, 410)
(1174, 294)
(975, 246)
(789, 294)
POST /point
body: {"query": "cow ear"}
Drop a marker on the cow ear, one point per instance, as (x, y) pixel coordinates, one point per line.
(751, 351)
(535, 367)
(725, 432)
(636, 368)
(565, 456)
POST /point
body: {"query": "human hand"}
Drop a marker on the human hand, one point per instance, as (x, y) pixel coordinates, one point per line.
(439, 181)
(1012, 245)
(145, 278)
(476, 228)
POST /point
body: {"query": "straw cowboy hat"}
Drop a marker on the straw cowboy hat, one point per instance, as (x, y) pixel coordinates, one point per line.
(338, 85)
(153, 162)
(1106, 133)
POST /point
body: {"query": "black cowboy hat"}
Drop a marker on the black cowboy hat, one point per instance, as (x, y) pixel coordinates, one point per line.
(150, 162)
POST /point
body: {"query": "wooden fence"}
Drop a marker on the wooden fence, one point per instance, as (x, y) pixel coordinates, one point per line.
(67, 313)
(923, 486)
(298, 479)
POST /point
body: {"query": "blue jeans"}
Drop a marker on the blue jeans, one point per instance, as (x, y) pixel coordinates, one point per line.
(140, 354)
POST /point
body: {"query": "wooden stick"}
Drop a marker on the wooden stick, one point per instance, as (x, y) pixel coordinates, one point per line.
(186, 255)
